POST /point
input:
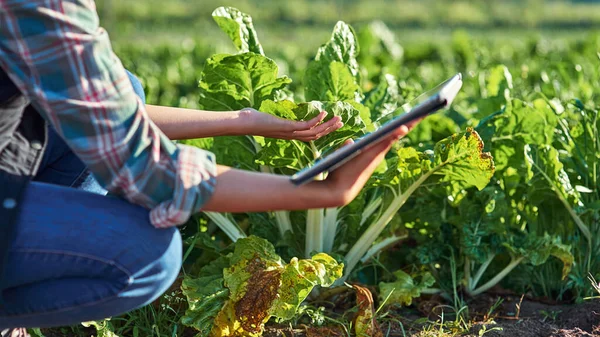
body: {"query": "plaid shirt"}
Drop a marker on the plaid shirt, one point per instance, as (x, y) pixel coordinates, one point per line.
(61, 59)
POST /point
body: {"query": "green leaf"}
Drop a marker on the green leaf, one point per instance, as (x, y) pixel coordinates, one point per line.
(537, 249)
(330, 82)
(334, 74)
(469, 165)
(236, 151)
(456, 163)
(234, 82)
(520, 124)
(238, 26)
(206, 295)
(342, 47)
(499, 80)
(547, 178)
(383, 99)
(404, 289)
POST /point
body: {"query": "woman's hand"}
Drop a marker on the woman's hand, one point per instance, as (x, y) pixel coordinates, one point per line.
(267, 125)
(345, 183)
(178, 123)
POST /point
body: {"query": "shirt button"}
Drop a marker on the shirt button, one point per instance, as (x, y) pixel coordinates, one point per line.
(36, 145)
(9, 203)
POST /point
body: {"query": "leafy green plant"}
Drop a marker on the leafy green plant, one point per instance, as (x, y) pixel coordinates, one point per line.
(332, 83)
(238, 293)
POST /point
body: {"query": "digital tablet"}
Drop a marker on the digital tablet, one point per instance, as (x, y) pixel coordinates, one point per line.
(441, 98)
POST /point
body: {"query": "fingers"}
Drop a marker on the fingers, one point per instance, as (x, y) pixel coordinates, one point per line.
(319, 131)
(291, 125)
(399, 132)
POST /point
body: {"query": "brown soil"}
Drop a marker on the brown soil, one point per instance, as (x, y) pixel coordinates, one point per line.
(533, 319)
(513, 317)
(541, 319)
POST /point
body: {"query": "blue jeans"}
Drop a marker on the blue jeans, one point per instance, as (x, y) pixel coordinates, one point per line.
(81, 256)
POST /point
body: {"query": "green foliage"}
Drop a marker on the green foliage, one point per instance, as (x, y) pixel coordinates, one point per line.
(235, 82)
(236, 294)
(240, 29)
(531, 100)
(404, 289)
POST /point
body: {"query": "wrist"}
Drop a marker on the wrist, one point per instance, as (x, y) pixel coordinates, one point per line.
(320, 194)
(239, 122)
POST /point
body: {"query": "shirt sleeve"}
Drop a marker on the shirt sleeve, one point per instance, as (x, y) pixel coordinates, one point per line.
(61, 59)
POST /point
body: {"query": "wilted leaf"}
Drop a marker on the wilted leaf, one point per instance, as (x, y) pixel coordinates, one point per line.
(365, 324)
(237, 294)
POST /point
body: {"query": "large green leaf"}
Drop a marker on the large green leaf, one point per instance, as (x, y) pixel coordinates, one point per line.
(461, 160)
(342, 47)
(456, 163)
(383, 99)
(330, 81)
(236, 151)
(238, 26)
(537, 249)
(546, 176)
(234, 82)
(334, 74)
(520, 124)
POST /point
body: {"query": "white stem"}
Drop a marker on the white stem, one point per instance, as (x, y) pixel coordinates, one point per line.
(489, 284)
(314, 231)
(226, 225)
(331, 223)
(481, 271)
(370, 209)
(370, 235)
(314, 219)
(283, 222)
(385, 243)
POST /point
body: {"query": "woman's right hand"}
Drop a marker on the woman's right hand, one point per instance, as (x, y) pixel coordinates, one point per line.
(346, 182)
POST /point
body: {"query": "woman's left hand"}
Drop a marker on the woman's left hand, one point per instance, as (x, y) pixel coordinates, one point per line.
(267, 125)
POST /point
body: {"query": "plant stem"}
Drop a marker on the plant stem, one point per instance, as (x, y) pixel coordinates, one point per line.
(370, 235)
(496, 279)
(330, 224)
(482, 270)
(314, 231)
(227, 226)
(314, 220)
(387, 242)
(370, 209)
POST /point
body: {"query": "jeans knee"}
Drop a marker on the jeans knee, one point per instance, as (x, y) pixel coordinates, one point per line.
(137, 86)
(162, 272)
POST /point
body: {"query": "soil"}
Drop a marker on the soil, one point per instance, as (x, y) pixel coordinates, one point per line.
(544, 319)
(513, 316)
(534, 319)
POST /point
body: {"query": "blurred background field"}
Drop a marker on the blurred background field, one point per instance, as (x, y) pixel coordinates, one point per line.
(165, 42)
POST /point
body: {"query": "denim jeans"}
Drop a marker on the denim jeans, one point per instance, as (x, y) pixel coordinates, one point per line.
(80, 255)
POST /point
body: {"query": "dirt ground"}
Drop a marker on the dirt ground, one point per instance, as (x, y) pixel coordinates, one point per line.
(533, 319)
(545, 320)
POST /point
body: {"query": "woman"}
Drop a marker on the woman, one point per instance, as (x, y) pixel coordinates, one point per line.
(69, 255)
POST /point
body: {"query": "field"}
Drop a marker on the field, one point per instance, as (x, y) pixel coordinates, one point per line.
(484, 220)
